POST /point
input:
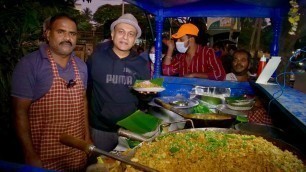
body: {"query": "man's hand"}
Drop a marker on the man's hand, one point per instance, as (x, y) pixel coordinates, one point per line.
(196, 75)
(190, 75)
(170, 44)
(147, 92)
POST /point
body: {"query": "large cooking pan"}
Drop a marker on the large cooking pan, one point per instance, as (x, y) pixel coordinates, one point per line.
(277, 142)
(76, 143)
(201, 120)
(280, 144)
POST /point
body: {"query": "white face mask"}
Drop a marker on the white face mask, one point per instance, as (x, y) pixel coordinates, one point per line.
(152, 57)
(181, 47)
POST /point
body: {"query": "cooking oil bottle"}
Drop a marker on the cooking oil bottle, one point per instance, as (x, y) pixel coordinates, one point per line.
(261, 65)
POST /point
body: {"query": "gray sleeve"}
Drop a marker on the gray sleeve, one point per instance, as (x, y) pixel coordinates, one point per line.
(82, 70)
(85, 80)
(23, 80)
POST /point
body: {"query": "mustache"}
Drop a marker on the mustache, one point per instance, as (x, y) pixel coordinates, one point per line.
(240, 66)
(66, 42)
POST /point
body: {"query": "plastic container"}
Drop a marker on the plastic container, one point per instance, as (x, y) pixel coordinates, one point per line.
(261, 65)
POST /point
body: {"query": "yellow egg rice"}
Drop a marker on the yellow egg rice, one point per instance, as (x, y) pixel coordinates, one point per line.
(215, 151)
(145, 84)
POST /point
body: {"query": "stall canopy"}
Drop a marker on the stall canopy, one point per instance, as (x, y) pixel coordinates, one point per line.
(213, 8)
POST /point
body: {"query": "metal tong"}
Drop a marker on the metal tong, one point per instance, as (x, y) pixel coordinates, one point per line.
(138, 137)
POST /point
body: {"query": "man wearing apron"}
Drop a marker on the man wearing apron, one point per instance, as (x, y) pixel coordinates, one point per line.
(49, 99)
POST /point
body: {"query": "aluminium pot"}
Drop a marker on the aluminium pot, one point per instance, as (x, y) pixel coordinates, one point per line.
(201, 120)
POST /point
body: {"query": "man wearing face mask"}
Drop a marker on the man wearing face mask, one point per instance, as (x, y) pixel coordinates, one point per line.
(193, 60)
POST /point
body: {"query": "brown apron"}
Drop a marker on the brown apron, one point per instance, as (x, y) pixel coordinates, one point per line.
(61, 110)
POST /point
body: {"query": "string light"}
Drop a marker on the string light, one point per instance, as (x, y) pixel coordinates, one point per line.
(294, 16)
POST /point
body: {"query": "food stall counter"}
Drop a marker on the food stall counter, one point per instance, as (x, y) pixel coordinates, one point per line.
(183, 86)
(288, 111)
(292, 102)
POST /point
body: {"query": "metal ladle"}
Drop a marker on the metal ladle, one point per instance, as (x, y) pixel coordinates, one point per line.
(86, 147)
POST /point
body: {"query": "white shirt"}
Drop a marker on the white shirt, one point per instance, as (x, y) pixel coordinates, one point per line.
(231, 77)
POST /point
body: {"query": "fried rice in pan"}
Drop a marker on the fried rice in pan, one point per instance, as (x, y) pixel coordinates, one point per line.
(215, 151)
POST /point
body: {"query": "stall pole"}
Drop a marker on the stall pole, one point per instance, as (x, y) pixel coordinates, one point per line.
(159, 20)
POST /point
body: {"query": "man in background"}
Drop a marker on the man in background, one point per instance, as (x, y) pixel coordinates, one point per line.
(240, 66)
(193, 60)
(240, 73)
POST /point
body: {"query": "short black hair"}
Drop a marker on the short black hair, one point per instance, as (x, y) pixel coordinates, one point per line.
(249, 56)
(61, 16)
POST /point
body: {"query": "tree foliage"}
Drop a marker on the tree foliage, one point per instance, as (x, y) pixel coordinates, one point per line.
(87, 13)
(108, 13)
